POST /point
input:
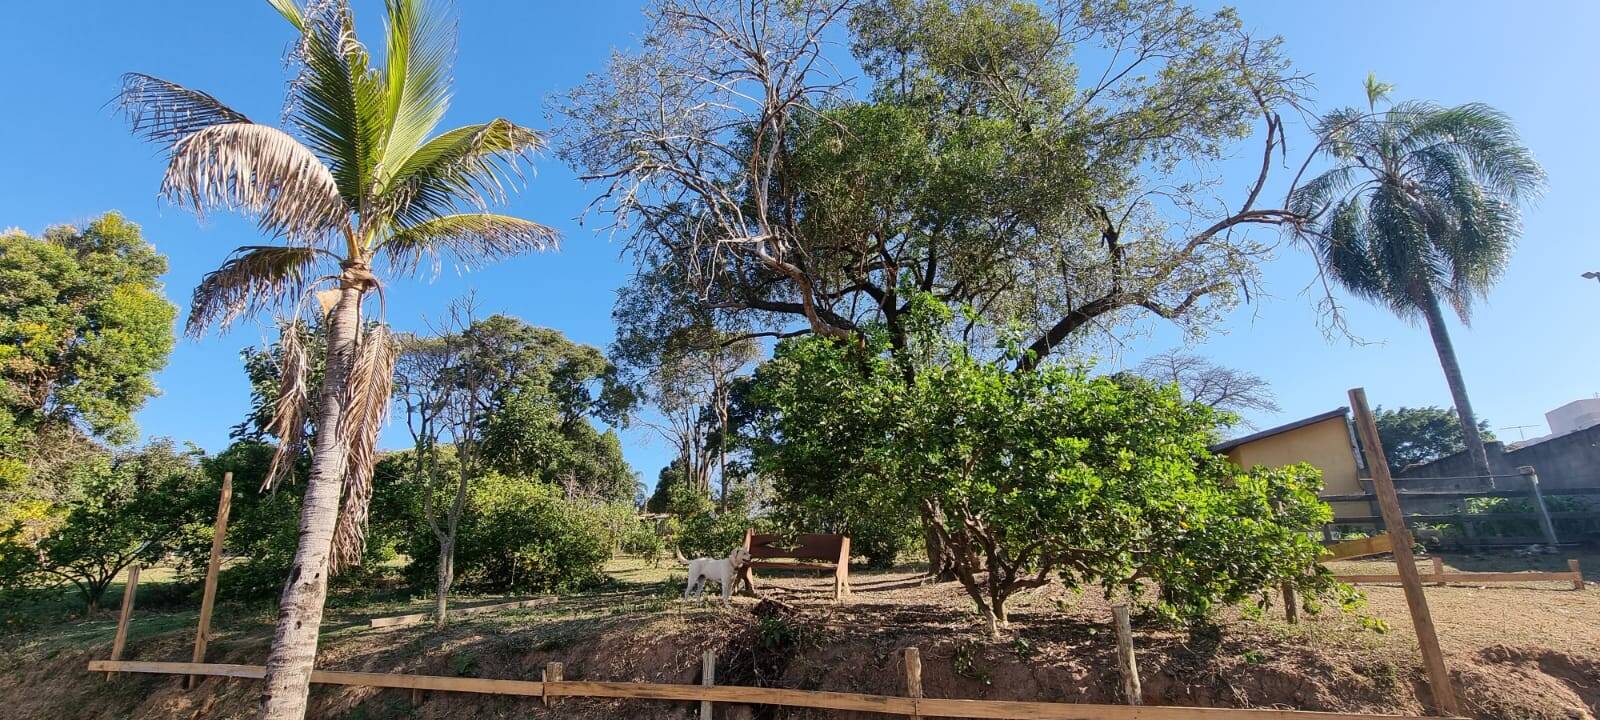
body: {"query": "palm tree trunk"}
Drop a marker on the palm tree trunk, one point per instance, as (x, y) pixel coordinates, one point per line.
(1458, 386)
(294, 644)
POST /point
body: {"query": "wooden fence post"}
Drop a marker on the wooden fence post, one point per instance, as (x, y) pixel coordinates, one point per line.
(1291, 604)
(1444, 695)
(1438, 569)
(914, 678)
(552, 674)
(708, 677)
(1545, 524)
(1577, 574)
(1125, 660)
(126, 614)
(209, 596)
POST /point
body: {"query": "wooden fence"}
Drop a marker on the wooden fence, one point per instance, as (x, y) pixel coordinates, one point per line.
(1574, 575)
(414, 618)
(910, 704)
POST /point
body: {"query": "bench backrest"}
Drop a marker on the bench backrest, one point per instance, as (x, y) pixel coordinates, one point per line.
(814, 546)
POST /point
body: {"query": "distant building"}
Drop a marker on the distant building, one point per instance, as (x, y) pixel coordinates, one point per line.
(1326, 441)
(1574, 416)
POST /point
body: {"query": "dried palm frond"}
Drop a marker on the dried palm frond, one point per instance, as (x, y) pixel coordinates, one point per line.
(254, 277)
(469, 238)
(259, 170)
(165, 112)
(366, 404)
(289, 413)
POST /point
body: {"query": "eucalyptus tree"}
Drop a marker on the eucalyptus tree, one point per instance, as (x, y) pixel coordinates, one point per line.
(357, 175)
(975, 160)
(1420, 209)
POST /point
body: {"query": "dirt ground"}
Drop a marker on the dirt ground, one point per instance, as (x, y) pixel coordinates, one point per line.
(1516, 651)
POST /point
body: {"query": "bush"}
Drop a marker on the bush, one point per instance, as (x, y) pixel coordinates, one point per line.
(517, 535)
(263, 527)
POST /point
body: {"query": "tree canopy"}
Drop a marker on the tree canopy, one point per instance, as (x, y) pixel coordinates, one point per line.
(982, 165)
(83, 327)
(1412, 436)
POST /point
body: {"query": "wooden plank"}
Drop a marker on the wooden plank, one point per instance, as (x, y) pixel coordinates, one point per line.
(940, 707)
(1444, 694)
(129, 590)
(1463, 577)
(1127, 666)
(1359, 547)
(708, 678)
(414, 618)
(208, 598)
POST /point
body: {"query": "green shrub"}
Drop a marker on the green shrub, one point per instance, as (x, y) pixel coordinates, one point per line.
(517, 535)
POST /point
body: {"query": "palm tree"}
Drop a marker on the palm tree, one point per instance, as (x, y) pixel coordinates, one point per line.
(356, 175)
(1421, 208)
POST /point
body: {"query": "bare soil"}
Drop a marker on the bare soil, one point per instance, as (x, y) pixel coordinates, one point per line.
(1516, 651)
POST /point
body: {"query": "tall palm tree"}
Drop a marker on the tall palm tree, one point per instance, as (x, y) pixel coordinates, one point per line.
(356, 175)
(1420, 209)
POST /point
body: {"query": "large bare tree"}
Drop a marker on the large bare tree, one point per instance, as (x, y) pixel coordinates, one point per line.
(985, 166)
(357, 175)
(1205, 382)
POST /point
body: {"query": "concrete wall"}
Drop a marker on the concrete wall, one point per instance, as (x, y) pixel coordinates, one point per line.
(1325, 445)
(1566, 461)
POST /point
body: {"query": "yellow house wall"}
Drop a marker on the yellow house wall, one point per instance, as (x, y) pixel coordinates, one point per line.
(1325, 445)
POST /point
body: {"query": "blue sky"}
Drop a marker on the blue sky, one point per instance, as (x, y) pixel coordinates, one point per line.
(67, 158)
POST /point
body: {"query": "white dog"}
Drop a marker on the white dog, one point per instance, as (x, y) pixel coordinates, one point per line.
(723, 570)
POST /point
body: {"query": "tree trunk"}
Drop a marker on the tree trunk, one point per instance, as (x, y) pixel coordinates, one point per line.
(447, 576)
(1458, 386)
(940, 566)
(294, 644)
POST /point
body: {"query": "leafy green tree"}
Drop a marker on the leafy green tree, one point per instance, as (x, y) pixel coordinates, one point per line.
(823, 412)
(263, 527)
(358, 176)
(519, 535)
(1412, 436)
(497, 393)
(1047, 473)
(83, 328)
(1420, 210)
(136, 506)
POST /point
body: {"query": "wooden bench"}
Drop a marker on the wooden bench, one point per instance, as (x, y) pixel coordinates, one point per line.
(807, 552)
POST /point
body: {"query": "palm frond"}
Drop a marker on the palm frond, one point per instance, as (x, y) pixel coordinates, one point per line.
(417, 78)
(253, 278)
(1487, 139)
(289, 412)
(336, 97)
(259, 170)
(472, 164)
(367, 399)
(468, 238)
(165, 112)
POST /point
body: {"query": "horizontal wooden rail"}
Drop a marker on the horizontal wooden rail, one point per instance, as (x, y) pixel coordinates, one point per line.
(856, 702)
(1573, 576)
(748, 695)
(1518, 493)
(414, 618)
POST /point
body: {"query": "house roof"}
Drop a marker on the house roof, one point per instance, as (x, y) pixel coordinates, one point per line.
(1223, 447)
